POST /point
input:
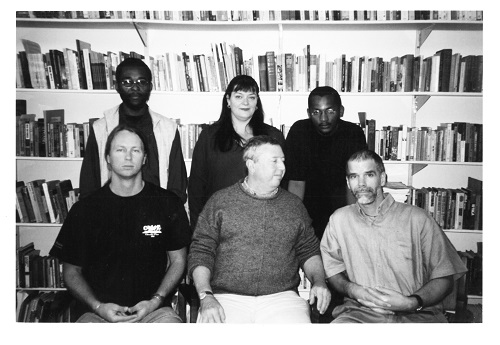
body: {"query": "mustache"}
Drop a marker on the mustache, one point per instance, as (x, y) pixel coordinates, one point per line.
(365, 190)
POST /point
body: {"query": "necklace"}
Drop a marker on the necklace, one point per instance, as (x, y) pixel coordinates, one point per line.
(253, 192)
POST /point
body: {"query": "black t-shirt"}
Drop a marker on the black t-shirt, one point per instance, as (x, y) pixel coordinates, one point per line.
(121, 243)
(320, 161)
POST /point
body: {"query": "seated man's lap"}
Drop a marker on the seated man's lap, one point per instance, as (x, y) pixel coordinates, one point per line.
(283, 307)
(161, 315)
(353, 312)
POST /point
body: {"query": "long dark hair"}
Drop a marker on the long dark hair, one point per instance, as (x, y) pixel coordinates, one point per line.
(225, 136)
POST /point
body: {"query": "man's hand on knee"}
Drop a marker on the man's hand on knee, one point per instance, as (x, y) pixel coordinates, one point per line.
(211, 311)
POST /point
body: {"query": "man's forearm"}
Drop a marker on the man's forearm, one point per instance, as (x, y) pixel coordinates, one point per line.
(435, 290)
(313, 268)
(174, 273)
(78, 286)
(201, 278)
(342, 284)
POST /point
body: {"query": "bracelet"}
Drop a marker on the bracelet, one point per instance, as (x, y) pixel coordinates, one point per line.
(159, 297)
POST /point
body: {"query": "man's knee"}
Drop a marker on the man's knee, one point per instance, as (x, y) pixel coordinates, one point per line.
(163, 315)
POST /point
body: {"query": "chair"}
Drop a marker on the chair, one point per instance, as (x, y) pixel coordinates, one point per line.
(455, 304)
(187, 296)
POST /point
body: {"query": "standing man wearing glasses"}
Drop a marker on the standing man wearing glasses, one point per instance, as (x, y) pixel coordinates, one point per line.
(316, 152)
(165, 166)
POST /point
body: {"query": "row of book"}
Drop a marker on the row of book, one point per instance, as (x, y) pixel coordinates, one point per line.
(84, 68)
(189, 134)
(262, 15)
(52, 306)
(452, 208)
(444, 71)
(36, 271)
(50, 136)
(449, 142)
(41, 201)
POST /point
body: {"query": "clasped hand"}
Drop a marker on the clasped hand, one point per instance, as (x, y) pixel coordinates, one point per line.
(112, 312)
(381, 300)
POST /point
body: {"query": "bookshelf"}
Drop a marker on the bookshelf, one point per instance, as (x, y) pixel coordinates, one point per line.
(328, 38)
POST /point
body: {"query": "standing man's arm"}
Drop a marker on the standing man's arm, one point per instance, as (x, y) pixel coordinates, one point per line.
(298, 188)
(313, 268)
(90, 173)
(177, 265)
(177, 173)
(78, 286)
(210, 309)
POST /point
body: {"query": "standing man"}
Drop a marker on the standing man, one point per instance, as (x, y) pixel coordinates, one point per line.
(316, 152)
(124, 247)
(391, 260)
(165, 166)
(249, 242)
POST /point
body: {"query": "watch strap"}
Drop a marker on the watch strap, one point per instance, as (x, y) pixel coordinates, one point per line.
(419, 300)
(204, 294)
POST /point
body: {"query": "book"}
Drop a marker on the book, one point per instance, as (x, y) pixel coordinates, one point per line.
(271, 71)
(54, 121)
(63, 188)
(50, 192)
(21, 206)
(84, 49)
(263, 72)
(27, 262)
(444, 69)
(21, 251)
(34, 191)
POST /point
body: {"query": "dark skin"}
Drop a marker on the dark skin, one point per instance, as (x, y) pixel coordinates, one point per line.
(134, 98)
(324, 123)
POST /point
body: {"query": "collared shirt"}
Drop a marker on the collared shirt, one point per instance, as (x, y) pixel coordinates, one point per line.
(402, 248)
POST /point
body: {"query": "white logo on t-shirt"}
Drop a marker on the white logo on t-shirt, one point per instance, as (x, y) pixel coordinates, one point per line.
(152, 230)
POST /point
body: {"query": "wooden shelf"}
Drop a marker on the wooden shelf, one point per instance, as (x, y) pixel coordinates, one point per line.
(292, 94)
(40, 289)
(39, 225)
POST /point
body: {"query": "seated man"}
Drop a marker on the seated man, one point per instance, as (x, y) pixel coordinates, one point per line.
(116, 243)
(249, 242)
(391, 260)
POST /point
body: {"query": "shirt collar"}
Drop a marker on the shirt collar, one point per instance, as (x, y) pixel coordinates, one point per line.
(382, 209)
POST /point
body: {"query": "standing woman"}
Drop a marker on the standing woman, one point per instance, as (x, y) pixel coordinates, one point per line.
(218, 154)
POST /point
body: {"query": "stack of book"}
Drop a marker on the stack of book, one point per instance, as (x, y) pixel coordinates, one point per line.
(262, 15)
(41, 201)
(50, 136)
(53, 306)
(449, 142)
(452, 208)
(398, 190)
(35, 271)
(189, 134)
(212, 70)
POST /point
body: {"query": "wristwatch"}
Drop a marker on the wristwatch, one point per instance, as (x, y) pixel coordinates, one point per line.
(420, 302)
(204, 294)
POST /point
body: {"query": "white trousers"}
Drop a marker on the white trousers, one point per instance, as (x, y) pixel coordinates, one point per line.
(282, 307)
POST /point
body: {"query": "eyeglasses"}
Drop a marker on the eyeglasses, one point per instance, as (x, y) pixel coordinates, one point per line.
(328, 112)
(129, 82)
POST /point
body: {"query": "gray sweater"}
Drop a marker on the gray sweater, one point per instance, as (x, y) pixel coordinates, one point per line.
(252, 246)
